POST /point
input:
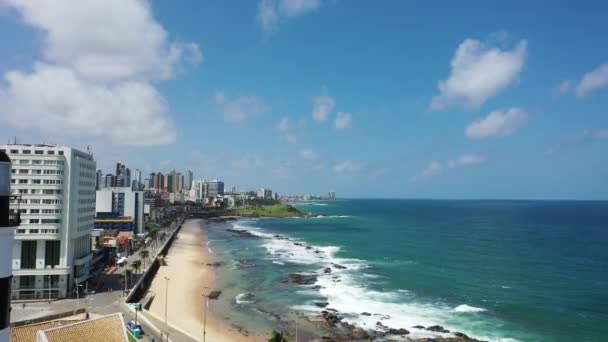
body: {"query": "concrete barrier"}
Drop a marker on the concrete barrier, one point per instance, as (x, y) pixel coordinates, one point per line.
(141, 286)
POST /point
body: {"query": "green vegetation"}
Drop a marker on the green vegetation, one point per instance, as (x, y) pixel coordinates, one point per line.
(278, 337)
(277, 210)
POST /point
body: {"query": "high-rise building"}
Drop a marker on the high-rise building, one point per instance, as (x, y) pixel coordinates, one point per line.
(151, 181)
(125, 204)
(108, 181)
(123, 175)
(171, 182)
(182, 182)
(264, 193)
(136, 183)
(214, 188)
(188, 180)
(98, 180)
(52, 250)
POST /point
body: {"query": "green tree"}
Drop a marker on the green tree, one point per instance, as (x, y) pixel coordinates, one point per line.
(278, 337)
(144, 255)
(136, 265)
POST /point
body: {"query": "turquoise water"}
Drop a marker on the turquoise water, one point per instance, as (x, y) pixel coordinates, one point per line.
(498, 270)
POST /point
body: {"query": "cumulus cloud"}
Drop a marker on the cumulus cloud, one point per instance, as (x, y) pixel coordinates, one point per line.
(308, 154)
(322, 107)
(497, 124)
(239, 109)
(311, 158)
(343, 121)
(99, 59)
(347, 166)
(54, 99)
(478, 72)
(272, 12)
(593, 80)
(436, 168)
(287, 130)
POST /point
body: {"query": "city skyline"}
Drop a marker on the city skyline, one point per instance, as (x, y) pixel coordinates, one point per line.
(393, 110)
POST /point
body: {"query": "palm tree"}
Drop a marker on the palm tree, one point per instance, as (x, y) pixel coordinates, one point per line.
(278, 337)
(144, 255)
(136, 265)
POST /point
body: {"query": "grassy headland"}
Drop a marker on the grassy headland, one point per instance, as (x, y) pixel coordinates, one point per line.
(277, 210)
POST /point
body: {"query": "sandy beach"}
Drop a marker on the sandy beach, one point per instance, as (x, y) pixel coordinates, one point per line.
(189, 279)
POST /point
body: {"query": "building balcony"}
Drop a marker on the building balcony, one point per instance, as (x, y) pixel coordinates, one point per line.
(42, 271)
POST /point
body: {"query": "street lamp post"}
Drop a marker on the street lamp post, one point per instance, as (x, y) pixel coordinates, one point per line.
(205, 317)
(166, 296)
(49, 288)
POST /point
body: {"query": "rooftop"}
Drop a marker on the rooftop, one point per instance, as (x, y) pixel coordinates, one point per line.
(110, 328)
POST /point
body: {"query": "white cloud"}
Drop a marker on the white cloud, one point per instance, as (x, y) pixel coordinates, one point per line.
(240, 108)
(99, 59)
(272, 12)
(436, 168)
(348, 166)
(108, 40)
(478, 73)
(593, 80)
(465, 160)
(54, 99)
(248, 161)
(287, 130)
(308, 154)
(322, 106)
(497, 124)
(343, 121)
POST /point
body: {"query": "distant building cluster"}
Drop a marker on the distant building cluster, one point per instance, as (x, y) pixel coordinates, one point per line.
(72, 214)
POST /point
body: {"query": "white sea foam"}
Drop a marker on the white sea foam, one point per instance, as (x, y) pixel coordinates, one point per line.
(245, 298)
(351, 296)
(209, 248)
(330, 216)
(468, 308)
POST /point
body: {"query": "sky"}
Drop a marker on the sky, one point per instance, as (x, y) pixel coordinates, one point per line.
(384, 99)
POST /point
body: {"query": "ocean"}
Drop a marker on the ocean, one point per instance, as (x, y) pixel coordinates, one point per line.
(495, 270)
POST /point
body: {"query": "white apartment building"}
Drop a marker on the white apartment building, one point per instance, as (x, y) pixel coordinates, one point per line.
(52, 249)
(123, 202)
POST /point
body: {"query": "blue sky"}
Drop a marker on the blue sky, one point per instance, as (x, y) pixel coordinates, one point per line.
(389, 99)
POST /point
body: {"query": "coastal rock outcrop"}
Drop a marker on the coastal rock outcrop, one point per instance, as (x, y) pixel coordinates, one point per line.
(241, 232)
(214, 294)
(338, 266)
(303, 279)
(438, 328)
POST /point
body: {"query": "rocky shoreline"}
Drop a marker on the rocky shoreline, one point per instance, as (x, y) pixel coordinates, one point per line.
(330, 324)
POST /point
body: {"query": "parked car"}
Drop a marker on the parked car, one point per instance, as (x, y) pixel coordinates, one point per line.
(135, 329)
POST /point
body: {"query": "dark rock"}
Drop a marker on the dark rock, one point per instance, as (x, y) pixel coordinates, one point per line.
(303, 279)
(461, 335)
(399, 331)
(316, 287)
(215, 264)
(337, 266)
(418, 327)
(360, 333)
(308, 247)
(330, 318)
(366, 314)
(438, 328)
(321, 304)
(379, 325)
(214, 294)
(241, 232)
(298, 244)
(327, 270)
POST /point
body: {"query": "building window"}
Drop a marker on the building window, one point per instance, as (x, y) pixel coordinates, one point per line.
(51, 152)
(23, 181)
(60, 153)
(28, 254)
(38, 152)
(51, 257)
(27, 284)
(14, 151)
(27, 152)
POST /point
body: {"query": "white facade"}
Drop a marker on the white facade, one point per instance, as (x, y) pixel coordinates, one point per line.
(124, 201)
(264, 193)
(52, 249)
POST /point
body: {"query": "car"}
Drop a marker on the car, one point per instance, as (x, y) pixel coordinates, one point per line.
(134, 328)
